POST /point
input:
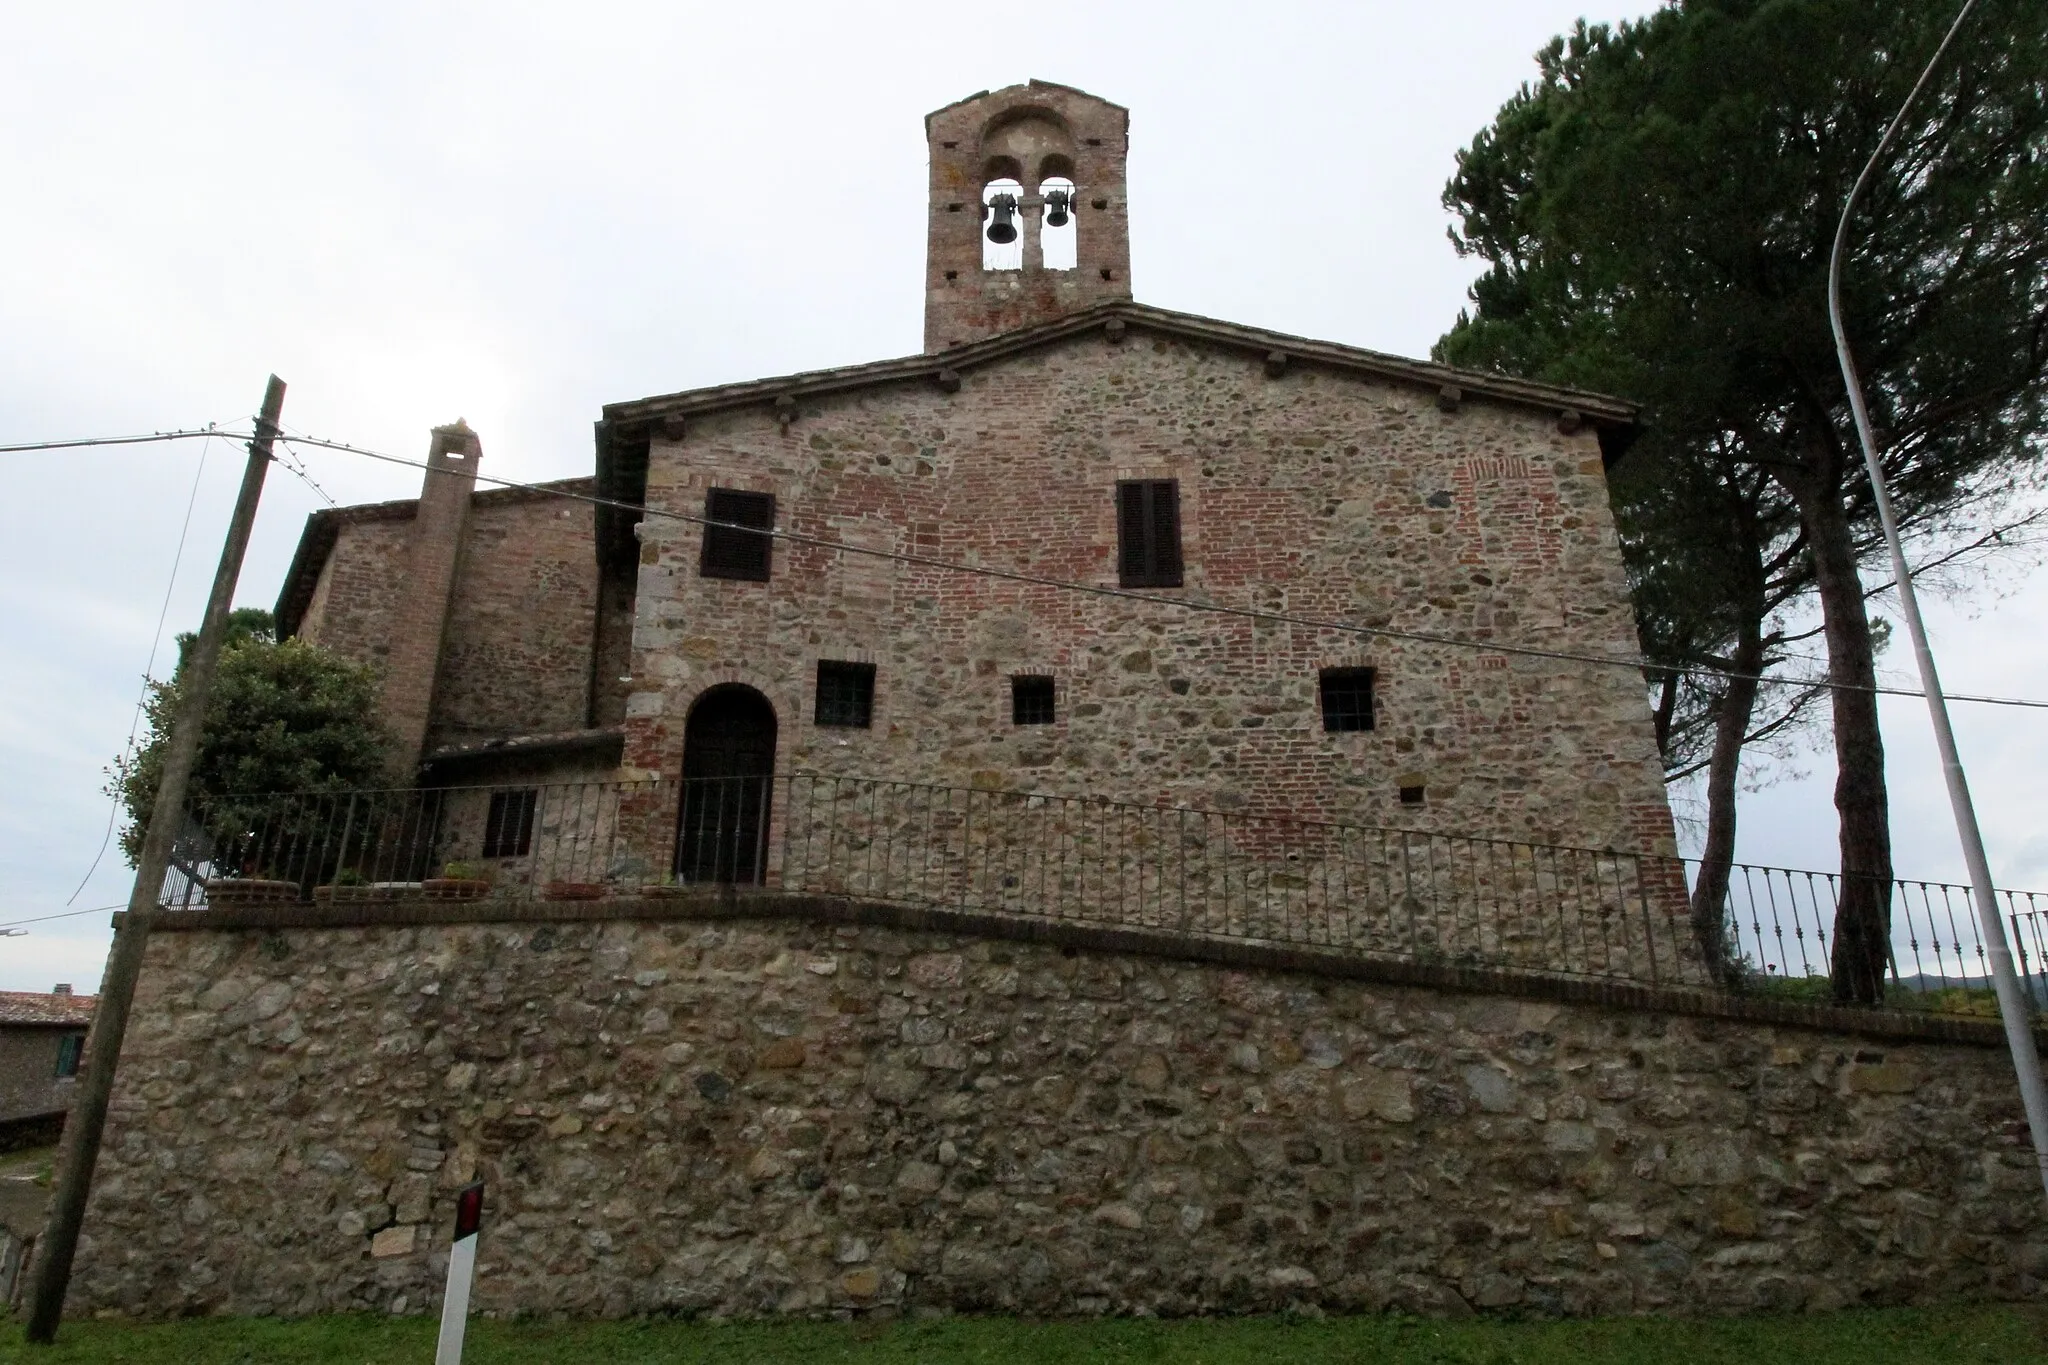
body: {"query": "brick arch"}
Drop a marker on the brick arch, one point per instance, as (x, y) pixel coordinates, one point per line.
(784, 699)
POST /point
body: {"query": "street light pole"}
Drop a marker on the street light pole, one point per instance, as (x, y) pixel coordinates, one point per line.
(2012, 1004)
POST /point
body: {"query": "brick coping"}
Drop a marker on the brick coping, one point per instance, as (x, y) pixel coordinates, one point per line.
(1900, 1025)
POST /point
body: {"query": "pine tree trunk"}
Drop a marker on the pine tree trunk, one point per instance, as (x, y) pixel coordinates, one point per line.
(1731, 728)
(1862, 946)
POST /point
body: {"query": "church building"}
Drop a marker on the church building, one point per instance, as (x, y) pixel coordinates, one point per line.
(1079, 545)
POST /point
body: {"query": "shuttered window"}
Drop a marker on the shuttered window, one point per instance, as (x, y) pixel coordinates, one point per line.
(730, 552)
(1148, 533)
(508, 829)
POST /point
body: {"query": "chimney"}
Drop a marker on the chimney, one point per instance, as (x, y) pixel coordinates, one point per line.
(61, 988)
(422, 618)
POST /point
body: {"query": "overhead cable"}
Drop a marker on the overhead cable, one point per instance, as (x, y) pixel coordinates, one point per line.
(1632, 662)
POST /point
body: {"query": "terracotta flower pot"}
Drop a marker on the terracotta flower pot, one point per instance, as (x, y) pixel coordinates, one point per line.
(573, 891)
(224, 891)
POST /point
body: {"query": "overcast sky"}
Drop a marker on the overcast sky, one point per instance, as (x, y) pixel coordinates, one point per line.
(515, 214)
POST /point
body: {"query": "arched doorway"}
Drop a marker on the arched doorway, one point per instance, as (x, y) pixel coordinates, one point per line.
(728, 775)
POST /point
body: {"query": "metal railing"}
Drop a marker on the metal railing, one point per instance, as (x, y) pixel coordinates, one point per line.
(1401, 894)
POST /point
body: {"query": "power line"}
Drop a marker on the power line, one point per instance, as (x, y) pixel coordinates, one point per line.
(68, 914)
(149, 669)
(1634, 663)
(210, 429)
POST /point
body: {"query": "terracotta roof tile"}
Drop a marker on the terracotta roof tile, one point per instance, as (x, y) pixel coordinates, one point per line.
(31, 1007)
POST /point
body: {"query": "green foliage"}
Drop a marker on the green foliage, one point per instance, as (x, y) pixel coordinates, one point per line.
(1967, 1335)
(1656, 212)
(288, 717)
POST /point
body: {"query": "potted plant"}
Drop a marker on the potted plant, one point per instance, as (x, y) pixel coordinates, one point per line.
(664, 889)
(348, 885)
(459, 881)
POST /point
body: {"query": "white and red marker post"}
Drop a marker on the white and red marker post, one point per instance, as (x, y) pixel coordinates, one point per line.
(469, 1220)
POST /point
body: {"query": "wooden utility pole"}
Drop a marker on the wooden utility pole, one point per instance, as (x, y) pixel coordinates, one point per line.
(82, 1130)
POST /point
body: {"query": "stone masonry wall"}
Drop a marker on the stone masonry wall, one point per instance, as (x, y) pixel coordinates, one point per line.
(782, 1116)
(29, 1084)
(516, 657)
(1317, 493)
(516, 650)
(353, 605)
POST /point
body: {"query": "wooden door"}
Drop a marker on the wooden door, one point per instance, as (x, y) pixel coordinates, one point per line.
(728, 777)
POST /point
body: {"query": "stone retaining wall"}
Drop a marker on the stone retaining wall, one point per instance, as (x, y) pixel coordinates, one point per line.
(783, 1115)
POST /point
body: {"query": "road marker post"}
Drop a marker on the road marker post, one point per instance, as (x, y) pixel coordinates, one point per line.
(469, 1220)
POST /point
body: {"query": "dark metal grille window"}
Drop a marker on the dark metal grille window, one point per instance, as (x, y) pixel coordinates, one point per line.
(508, 830)
(846, 693)
(733, 553)
(1148, 533)
(1031, 701)
(1347, 699)
(69, 1049)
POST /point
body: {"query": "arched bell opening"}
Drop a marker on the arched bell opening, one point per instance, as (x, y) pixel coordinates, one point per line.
(1002, 223)
(1059, 234)
(728, 783)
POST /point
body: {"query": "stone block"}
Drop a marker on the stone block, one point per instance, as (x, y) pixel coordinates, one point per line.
(919, 1179)
(784, 1054)
(1384, 1095)
(1884, 1078)
(1491, 1089)
(393, 1241)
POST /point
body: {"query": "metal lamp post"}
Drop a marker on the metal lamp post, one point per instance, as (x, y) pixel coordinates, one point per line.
(2012, 1005)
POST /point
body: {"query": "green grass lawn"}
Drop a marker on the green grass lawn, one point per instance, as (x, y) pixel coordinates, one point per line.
(1986, 1335)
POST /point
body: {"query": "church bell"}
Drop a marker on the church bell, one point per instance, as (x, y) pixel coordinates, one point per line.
(1002, 228)
(1057, 203)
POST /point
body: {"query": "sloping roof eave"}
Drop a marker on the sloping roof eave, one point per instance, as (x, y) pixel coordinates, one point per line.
(1599, 409)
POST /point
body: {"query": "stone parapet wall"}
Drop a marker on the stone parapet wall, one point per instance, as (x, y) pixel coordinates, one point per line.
(759, 1115)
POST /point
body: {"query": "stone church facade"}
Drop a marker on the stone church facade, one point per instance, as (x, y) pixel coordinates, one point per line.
(1080, 545)
(1192, 1054)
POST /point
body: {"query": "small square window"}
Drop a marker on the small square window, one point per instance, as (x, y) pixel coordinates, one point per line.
(508, 829)
(1347, 699)
(730, 552)
(846, 694)
(1031, 701)
(70, 1050)
(1413, 795)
